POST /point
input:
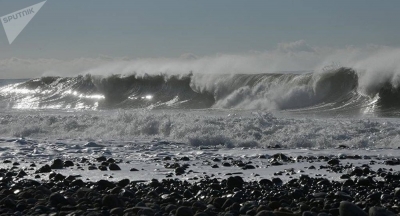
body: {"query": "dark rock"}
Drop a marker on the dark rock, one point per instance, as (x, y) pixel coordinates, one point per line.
(56, 199)
(44, 169)
(21, 174)
(101, 159)
(112, 201)
(378, 211)
(229, 202)
(364, 182)
(123, 182)
(277, 181)
(184, 211)
(77, 182)
(266, 182)
(57, 164)
(103, 168)
(187, 194)
(68, 163)
(179, 171)
(142, 210)
(345, 176)
(218, 202)
(248, 166)
(297, 193)
(170, 207)
(114, 166)
(274, 205)
(226, 164)
(334, 162)
(320, 195)
(342, 195)
(307, 213)
(265, 213)
(110, 160)
(72, 177)
(350, 209)
(348, 182)
(185, 158)
(281, 157)
(117, 211)
(325, 182)
(8, 203)
(283, 213)
(104, 184)
(234, 181)
(133, 170)
(357, 171)
(127, 193)
(58, 177)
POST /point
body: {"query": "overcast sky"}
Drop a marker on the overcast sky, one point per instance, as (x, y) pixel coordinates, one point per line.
(88, 28)
(85, 33)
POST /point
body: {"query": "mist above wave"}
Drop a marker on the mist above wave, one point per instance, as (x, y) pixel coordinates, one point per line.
(361, 78)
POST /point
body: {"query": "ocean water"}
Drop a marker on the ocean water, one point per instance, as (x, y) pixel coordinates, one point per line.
(4, 82)
(295, 110)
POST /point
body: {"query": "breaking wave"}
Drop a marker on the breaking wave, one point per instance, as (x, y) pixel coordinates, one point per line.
(335, 89)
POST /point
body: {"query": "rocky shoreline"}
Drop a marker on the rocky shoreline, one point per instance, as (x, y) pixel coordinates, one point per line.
(360, 194)
(165, 179)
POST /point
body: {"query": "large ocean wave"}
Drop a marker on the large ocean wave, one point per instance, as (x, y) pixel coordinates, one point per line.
(334, 89)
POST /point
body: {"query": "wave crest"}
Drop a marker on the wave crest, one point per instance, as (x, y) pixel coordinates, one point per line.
(333, 89)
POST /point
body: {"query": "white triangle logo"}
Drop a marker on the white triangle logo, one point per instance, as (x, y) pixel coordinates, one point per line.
(14, 23)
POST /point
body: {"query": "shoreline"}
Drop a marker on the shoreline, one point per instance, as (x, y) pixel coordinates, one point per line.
(97, 178)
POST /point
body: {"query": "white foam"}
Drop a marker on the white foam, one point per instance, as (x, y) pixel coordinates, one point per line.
(226, 128)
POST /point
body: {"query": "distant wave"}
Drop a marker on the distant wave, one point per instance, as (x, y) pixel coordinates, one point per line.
(334, 89)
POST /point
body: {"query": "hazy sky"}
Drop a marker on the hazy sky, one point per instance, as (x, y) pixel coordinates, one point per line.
(168, 28)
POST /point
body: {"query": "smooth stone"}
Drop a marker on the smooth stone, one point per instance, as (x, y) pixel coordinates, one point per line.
(179, 171)
(235, 181)
(307, 213)
(117, 211)
(265, 213)
(68, 163)
(379, 211)
(112, 201)
(350, 209)
(397, 192)
(44, 169)
(184, 211)
(334, 162)
(57, 164)
(57, 198)
(114, 167)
